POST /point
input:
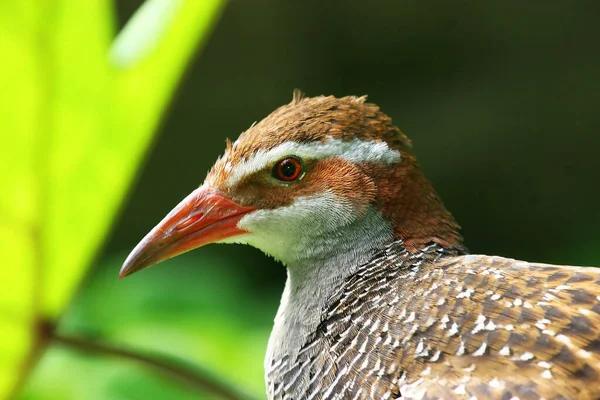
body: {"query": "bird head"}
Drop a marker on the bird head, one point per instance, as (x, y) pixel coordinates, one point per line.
(316, 174)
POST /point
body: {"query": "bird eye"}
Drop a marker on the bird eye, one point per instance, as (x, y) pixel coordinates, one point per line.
(288, 169)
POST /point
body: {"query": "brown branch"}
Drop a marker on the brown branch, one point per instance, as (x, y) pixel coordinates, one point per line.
(159, 363)
(38, 346)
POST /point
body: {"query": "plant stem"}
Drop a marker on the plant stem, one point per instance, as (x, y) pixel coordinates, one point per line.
(160, 363)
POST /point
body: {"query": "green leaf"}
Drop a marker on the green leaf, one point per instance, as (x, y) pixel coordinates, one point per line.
(76, 119)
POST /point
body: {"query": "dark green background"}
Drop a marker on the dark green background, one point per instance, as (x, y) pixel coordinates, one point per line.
(500, 98)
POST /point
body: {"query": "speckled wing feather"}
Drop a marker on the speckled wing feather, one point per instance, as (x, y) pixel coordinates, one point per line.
(437, 326)
(491, 377)
(525, 330)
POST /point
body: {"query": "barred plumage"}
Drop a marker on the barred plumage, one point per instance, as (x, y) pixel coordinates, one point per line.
(422, 326)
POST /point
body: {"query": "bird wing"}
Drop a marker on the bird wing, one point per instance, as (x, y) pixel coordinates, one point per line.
(491, 377)
(524, 330)
(468, 326)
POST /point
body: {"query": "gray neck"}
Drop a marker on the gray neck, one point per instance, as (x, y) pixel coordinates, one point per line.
(312, 280)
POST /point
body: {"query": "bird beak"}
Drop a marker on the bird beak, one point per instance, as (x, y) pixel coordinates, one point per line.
(203, 217)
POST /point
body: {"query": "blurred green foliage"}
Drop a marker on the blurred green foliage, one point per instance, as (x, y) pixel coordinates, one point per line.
(192, 310)
(76, 120)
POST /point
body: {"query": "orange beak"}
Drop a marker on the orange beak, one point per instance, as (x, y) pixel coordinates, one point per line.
(203, 217)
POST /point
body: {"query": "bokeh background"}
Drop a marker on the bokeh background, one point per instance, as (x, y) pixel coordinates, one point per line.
(501, 100)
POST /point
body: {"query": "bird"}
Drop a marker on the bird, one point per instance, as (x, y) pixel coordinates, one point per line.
(382, 298)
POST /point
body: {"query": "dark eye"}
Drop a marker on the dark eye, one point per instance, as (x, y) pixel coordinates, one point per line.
(288, 169)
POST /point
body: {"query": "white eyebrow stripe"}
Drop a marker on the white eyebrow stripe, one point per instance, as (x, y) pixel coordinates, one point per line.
(356, 151)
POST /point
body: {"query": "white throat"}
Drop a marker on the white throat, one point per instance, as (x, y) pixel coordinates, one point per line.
(311, 282)
(321, 246)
